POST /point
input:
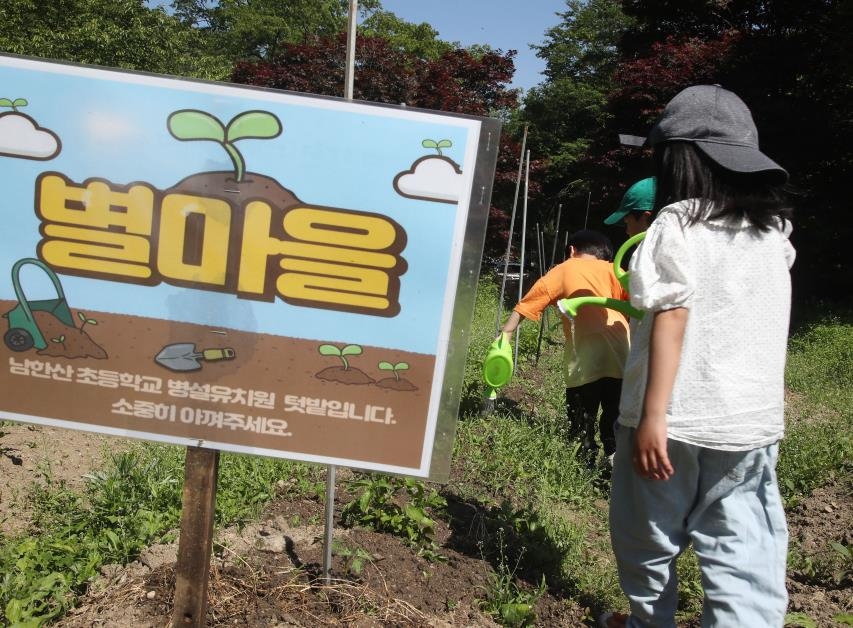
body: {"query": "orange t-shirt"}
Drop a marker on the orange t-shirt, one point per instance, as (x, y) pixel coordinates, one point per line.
(597, 339)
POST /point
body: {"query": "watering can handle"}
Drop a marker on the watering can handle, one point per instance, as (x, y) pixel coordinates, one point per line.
(622, 275)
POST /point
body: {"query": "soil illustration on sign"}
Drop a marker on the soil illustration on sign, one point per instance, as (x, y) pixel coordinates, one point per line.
(396, 382)
(237, 184)
(344, 373)
(66, 341)
(264, 374)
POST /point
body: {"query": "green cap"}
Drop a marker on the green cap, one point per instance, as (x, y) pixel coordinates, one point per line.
(640, 197)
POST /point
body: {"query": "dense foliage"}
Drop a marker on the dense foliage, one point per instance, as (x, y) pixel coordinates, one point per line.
(456, 80)
(788, 60)
(611, 65)
(119, 33)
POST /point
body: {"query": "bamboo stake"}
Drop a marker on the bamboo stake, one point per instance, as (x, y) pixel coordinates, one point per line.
(556, 234)
(523, 240)
(511, 230)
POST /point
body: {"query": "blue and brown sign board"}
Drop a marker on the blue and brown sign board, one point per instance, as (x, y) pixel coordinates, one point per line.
(236, 268)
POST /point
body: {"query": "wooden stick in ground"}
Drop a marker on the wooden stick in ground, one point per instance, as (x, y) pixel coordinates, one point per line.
(196, 543)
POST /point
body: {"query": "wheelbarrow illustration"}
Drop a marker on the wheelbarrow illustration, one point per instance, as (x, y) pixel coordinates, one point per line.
(183, 356)
(24, 332)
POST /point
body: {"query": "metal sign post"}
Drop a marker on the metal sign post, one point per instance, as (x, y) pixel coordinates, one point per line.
(349, 78)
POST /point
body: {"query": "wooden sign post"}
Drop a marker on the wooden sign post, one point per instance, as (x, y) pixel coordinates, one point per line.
(196, 541)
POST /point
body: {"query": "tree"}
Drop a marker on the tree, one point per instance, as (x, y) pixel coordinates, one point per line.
(421, 40)
(790, 62)
(256, 29)
(117, 33)
(567, 111)
(456, 81)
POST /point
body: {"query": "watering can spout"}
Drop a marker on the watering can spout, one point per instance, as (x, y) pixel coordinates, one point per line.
(570, 307)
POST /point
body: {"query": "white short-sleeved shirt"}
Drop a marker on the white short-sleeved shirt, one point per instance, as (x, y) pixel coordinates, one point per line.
(735, 283)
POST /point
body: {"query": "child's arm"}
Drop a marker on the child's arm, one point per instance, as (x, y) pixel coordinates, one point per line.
(510, 325)
(650, 456)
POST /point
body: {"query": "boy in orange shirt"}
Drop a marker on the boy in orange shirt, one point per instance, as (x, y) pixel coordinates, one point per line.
(596, 341)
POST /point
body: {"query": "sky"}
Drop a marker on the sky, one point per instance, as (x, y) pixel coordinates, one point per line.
(503, 24)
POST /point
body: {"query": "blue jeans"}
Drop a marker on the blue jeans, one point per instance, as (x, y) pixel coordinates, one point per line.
(727, 504)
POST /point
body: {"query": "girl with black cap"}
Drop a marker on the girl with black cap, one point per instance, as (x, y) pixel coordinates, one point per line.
(701, 413)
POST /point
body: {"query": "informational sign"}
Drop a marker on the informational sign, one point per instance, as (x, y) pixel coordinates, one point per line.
(237, 268)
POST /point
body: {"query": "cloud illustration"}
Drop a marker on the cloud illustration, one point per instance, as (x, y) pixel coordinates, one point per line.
(21, 136)
(431, 178)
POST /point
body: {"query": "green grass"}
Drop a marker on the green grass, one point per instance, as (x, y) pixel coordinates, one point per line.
(522, 457)
(538, 512)
(818, 443)
(541, 510)
(134, 500)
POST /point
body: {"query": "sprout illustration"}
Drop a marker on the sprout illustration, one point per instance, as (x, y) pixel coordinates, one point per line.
(86, 320)
(400, 366)
(341, 353)
(14, 104)
(437, 145)
(191, 124)
(59, 340)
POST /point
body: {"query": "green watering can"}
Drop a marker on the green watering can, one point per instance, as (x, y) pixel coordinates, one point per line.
(569, 307)
(498, 365)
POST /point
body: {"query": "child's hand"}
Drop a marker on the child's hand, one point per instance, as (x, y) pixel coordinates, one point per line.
(650, 456)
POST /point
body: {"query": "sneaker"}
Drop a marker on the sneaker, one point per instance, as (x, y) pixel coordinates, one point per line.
(612, 619)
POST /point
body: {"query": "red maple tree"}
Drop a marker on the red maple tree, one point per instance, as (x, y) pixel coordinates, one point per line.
(459, 81)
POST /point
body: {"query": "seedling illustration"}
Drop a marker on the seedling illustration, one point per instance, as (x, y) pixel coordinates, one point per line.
(395, 368)
(340, 352)
(437, 145)
(14, 104)
(59, 340)
(191, 124)
(86, 320)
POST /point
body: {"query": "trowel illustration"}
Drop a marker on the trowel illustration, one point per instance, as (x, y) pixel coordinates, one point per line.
(183, 356)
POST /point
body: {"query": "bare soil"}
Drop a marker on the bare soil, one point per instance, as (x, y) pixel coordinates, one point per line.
(269, 573)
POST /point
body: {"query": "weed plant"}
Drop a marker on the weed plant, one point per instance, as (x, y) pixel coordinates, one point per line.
(133, 501)
(399, 506)
(818, 443)
(505, 601)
